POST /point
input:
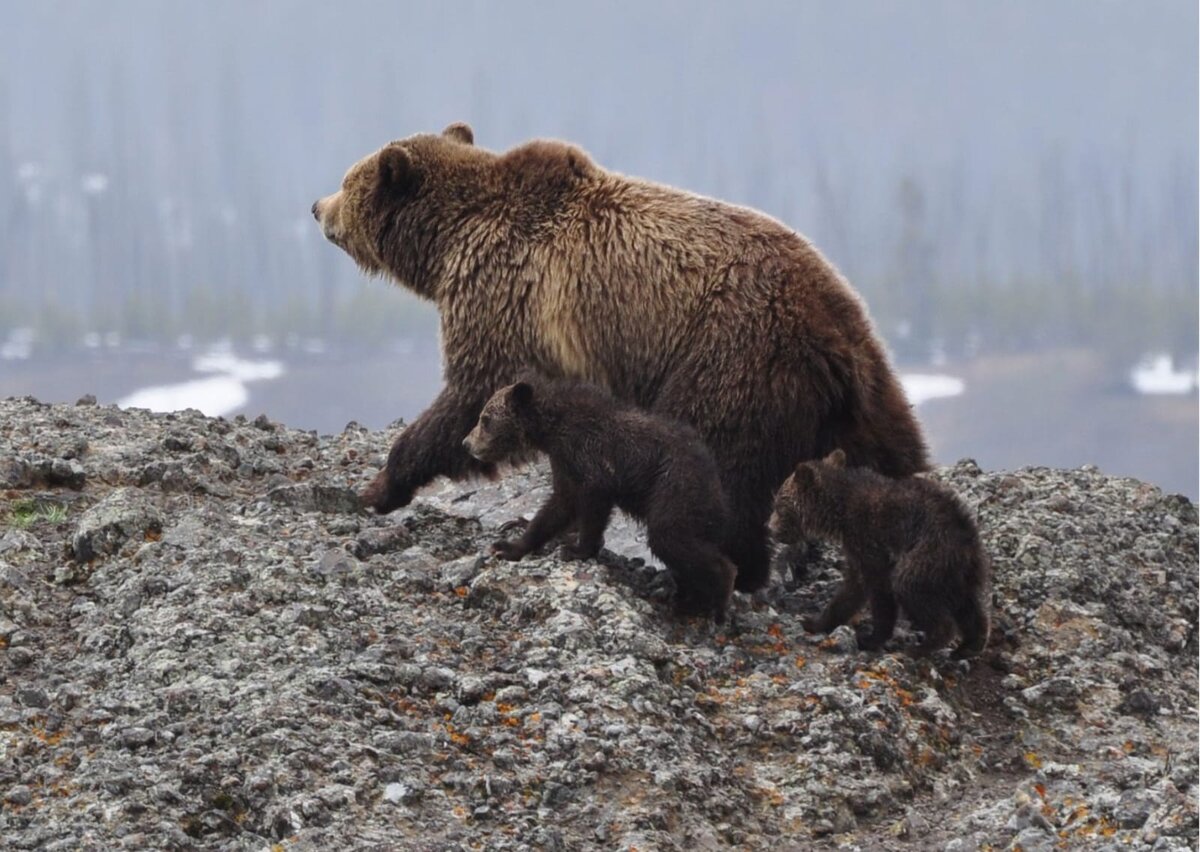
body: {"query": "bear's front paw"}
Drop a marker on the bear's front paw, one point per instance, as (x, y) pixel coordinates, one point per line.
(869, 640)
(574, 552)
(382, 497)
(510, 550)
(815, 625)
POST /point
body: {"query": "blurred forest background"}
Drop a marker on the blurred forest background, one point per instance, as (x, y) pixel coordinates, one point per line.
(1007, 184)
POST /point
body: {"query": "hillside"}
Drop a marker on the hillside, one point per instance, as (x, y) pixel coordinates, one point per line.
(207, 645)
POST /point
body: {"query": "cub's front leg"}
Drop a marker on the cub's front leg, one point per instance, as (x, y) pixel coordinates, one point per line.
(554, 517)
(846, 602)
(594, 511)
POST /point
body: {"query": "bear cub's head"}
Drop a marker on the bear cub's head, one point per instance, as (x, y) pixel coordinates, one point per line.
(798, 511)
(372, 217)
(503, 430)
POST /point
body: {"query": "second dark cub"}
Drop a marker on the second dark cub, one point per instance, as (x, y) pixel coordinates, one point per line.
(604, 454)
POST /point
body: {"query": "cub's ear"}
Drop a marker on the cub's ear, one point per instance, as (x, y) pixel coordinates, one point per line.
(837, 458)
(460, 131)
(805, 476)
(397, 172)
(522, 394)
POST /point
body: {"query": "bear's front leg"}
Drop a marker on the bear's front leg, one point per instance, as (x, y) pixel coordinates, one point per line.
(883, 613)
(593, 512)
(512, 551)
(845, 604)
(551, 519)
(430, 446)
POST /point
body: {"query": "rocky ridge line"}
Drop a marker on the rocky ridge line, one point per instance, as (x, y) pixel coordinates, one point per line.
(207, 645)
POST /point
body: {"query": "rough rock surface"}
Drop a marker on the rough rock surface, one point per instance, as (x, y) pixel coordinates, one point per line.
(216, 650)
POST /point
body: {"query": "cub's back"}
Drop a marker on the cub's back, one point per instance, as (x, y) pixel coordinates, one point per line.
(936, 511)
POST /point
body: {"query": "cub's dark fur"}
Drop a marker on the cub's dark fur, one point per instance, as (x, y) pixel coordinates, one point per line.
(605, 454)
(907, 541)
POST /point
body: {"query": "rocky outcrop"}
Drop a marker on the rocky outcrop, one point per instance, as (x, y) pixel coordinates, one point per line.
(206, 644)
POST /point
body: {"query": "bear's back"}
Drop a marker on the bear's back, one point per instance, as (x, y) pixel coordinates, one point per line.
(899, 514)
(599, 437)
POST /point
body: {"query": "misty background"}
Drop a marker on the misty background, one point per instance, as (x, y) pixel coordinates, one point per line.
(1011, 186)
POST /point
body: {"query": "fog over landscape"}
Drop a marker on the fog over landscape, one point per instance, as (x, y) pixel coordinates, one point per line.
(1011, 186)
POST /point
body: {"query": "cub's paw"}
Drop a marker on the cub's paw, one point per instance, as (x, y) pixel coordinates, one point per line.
(510, 550)
(870, 641)
(574, 552)
(515, 525)
(815, 625)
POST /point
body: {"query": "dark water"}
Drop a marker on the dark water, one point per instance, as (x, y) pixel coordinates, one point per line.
(1060, 409)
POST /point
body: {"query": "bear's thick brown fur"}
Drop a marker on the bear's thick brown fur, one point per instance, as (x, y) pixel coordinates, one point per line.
(605, 454)
(710, 313)
(907, 541)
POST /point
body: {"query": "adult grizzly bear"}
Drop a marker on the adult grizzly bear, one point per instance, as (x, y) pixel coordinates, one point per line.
(711, 313)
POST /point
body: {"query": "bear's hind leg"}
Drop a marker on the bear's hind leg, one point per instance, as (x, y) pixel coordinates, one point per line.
(883, 612)
(748, 547)
(974, 625)
(704, 578)
(928, 585)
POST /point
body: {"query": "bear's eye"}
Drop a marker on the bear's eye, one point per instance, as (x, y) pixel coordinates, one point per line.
(485, 421)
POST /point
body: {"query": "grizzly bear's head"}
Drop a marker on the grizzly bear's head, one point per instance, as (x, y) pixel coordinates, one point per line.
(800, 510)
(425, 208)
(383, 214)
(503, 430)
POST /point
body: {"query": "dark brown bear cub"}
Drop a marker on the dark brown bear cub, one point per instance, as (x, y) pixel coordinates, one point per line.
(605, 454)
(907, 541)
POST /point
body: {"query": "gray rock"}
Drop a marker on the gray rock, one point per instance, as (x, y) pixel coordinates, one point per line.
(68, 472)
(133, 738)
(15, 473)
(843, 639)
(381, 540)
(398, 793)
(123, 515)
(16, 541)
(1134, 808)
(33, 696)
(1034, 840)
(312, 497)
(336, 564)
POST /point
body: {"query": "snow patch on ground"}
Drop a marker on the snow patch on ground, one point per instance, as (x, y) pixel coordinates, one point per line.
(922, 387)
(215, 395)
(1156, 374)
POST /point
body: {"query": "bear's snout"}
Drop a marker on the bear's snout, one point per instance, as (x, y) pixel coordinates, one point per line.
(327, 212)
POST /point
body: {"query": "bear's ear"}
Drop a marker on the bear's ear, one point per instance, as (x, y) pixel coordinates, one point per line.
(396, 170)
(522, 395)
(806, 477)
(460, 131)
(837, 458)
